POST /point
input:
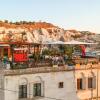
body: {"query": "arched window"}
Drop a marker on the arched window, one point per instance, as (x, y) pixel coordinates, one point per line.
(23, 88)
(81, 82)
(38, 87)
(92, 81)
(23, 81)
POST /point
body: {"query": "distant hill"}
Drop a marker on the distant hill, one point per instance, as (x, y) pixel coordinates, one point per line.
(41, 31)
(26, 24)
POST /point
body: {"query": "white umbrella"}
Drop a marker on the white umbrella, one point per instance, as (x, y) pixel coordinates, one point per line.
(53, 42)
(47, 42)
(69, 42)
(77, 42)
(58, 42)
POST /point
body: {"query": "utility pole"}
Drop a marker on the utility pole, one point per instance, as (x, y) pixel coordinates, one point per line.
(97, 82)
(92, 86)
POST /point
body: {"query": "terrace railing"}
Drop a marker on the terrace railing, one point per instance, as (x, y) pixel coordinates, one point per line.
(46, 63)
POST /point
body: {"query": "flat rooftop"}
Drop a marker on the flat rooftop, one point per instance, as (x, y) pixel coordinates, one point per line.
(54, 68)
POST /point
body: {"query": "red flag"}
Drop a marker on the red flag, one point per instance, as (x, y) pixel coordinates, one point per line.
(20, 57)
(83, 50)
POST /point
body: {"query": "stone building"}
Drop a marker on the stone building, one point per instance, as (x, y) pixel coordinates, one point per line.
(80, 82)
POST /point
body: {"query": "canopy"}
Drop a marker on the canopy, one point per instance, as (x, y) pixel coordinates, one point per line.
(77, 42)
(4, 45)
(20, 48)
(69, 42)
(53, 42)
(58, 42)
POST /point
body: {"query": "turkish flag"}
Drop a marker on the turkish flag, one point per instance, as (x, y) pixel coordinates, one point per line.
(83, 50)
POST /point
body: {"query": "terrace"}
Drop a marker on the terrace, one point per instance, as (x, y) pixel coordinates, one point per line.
(27, 58)
(48, 69)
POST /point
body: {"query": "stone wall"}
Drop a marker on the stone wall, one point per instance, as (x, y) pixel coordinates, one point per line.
(86, 93)
(49, 82)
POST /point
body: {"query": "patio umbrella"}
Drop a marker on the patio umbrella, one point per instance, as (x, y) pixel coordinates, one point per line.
(78, 42)
(54, 42)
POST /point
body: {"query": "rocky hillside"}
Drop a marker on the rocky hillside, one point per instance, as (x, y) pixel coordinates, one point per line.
(40, 32)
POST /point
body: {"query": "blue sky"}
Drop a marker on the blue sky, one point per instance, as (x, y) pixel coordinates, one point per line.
(68, 14)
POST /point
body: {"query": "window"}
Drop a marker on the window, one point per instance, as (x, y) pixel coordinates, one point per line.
(37, 89)
(92, 82)
(79, 84)
(61, 84)
(22, 91)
